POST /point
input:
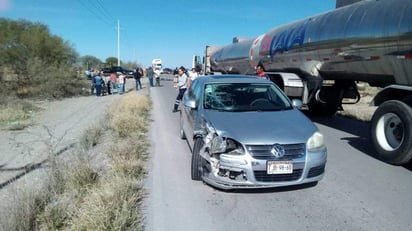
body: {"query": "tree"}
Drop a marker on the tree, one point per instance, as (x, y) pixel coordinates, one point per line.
(111, 61)
(33, 61)
(89, 61)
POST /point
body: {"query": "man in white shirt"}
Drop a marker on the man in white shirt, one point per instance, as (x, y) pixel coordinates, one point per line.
(193, 74)
(157, 76)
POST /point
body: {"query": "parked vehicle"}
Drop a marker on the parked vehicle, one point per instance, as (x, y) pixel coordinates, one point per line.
(246, 133)
(157, 64)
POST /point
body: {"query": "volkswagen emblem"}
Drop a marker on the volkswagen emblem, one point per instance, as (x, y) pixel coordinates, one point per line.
(277, 151)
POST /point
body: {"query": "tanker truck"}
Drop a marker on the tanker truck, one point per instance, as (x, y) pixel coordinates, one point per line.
(321, 58)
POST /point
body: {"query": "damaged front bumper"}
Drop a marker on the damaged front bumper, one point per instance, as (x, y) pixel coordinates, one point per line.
(248, 170)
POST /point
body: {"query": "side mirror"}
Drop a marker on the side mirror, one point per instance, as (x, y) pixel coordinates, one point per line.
(297, 103)
(189, 102)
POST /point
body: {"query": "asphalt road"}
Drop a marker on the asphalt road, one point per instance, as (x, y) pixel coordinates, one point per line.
(358, 191)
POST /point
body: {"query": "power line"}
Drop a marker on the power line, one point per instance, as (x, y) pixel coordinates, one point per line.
(107, 13)
(99, 14)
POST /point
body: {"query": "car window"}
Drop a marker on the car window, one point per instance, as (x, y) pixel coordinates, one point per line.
(194, 91)
(244, 97)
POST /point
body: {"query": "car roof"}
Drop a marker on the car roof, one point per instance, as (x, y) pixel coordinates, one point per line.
(231, 79)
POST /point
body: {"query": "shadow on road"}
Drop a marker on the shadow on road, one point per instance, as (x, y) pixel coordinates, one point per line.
(360, 129)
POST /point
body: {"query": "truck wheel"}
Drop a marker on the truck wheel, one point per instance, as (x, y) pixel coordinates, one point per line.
(182, 132)
(326, 102)
(196, 159)
(391, 132)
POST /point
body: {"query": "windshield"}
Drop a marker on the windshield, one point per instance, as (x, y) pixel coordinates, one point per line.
(244, 97)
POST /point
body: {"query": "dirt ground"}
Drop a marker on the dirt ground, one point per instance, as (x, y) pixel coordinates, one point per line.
(56, 131)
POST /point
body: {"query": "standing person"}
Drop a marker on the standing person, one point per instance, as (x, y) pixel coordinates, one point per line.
(124, 84)
(150, 75)
(183, 82)
(113, 80)
(137, 75)
(193, 74)
(260, 72)
(92, 83)
(98, 81)
(106, 84)
(157, 77)
(121, 82)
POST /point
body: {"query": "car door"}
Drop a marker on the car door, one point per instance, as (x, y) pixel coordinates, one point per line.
(189, 113)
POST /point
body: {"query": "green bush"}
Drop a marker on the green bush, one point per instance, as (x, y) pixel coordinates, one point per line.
(34, 63)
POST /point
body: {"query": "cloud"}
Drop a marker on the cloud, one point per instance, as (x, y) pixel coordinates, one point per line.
(4, 5)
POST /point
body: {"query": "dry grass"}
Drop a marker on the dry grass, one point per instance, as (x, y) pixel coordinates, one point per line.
(130, 115)
(91, 137)
(16, 114)
(75, 197)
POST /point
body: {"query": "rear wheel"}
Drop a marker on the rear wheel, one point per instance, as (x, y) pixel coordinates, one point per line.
(391, 132)
(197, 160)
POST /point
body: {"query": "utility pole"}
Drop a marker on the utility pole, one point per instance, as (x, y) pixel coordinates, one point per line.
(118, 42)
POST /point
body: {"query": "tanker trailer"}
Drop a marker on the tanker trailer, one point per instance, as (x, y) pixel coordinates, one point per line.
(329, 53)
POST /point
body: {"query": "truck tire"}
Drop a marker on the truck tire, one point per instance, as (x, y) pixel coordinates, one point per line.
(391, 132)
(330, 102)
(196, 159)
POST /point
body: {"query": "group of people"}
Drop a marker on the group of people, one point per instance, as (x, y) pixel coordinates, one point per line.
(154, 74)
(102, 84)
(183, 78)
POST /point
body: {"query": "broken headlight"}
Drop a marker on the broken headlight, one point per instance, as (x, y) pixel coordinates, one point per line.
(226, 145)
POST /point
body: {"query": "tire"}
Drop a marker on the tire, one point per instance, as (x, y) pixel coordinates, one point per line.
(196, 160)
(182, 132)
(391, 132)
(330, 105)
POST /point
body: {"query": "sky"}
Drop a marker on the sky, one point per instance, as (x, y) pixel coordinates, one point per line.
(172, 30)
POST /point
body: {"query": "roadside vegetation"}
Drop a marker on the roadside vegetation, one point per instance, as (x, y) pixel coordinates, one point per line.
(96, 185)
(99, 185)
(34, 65)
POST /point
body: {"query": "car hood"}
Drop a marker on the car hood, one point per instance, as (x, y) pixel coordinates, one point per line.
(289, 126)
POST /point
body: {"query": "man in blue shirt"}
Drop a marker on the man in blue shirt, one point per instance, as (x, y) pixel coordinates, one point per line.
(98, 81)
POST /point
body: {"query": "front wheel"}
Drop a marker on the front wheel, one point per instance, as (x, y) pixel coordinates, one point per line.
(182, 132)
(197, 159)
(391, 132)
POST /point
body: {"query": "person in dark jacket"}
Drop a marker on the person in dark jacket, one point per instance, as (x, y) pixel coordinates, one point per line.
(150, 75)
(98, 82)
(137, 75)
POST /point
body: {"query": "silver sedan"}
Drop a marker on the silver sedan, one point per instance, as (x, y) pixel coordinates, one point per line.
(244, 132)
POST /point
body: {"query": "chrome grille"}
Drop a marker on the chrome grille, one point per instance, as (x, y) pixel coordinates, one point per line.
(262, 152)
